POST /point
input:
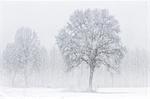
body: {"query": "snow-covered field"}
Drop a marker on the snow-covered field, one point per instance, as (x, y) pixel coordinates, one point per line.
(59, 93)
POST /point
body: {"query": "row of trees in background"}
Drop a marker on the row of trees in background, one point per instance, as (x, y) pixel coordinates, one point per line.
(91, 36)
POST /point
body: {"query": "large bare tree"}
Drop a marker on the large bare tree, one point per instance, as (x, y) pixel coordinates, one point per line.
(91, 36)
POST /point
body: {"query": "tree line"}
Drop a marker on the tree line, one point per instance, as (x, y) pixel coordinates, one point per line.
(90, 36)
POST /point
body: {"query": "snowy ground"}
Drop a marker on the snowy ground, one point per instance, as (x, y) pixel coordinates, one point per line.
(58, 93)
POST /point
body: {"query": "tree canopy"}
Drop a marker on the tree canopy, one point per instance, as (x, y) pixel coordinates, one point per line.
(91, 36)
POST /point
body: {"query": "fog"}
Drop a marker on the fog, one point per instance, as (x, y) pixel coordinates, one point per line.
(48, 18)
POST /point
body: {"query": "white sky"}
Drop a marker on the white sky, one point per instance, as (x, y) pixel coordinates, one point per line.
(47, 18)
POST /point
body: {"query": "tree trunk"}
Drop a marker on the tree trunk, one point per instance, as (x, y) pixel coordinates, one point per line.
(91, 78)
(112, 79)
(13, 79)
(25, 78)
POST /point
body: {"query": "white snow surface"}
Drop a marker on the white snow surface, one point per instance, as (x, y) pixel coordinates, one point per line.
(15, 93)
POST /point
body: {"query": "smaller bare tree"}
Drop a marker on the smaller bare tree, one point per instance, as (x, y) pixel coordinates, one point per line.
(24, 54)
